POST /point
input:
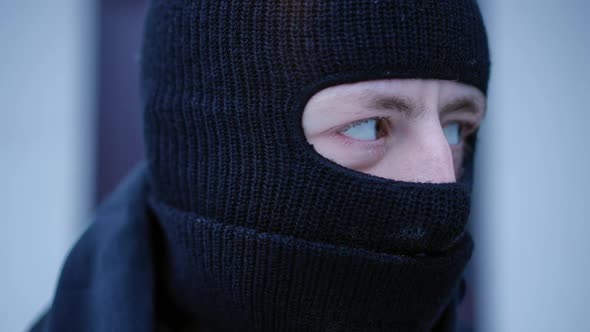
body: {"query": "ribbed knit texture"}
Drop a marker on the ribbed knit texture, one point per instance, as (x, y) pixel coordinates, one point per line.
(261, 232)
(236, 279)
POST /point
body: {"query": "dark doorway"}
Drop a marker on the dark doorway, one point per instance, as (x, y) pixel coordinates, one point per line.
(119, 128)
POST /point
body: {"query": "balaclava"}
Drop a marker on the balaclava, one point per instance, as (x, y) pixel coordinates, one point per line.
(260, 232)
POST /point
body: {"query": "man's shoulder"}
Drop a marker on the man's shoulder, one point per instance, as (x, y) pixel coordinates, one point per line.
(106, 282)
(118, 230)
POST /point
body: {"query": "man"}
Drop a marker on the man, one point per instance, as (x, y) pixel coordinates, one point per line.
(308, 169)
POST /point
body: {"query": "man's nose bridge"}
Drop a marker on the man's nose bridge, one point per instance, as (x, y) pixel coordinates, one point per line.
(434, 159)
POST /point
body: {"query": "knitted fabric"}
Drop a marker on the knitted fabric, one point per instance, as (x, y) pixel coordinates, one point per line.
(261, 233)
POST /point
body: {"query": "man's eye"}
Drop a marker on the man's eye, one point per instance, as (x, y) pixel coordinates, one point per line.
(366, 130)
(453, 133)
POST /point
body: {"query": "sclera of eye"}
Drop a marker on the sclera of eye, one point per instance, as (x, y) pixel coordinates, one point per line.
(458, 150)
(469, 122)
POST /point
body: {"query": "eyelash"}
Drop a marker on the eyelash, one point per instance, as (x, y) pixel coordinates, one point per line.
(359, 122)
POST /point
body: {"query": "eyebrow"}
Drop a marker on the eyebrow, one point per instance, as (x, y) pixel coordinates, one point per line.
(413, 110)
(401, 104)
(462, 103)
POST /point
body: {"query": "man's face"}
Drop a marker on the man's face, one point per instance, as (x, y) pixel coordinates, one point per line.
(405, 130)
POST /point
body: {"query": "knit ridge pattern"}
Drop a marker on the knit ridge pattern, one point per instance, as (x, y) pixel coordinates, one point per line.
(261, 232)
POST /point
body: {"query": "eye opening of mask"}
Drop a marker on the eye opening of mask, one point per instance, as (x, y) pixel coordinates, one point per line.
(305, 150)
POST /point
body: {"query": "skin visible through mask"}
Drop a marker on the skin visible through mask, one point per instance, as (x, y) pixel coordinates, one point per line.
(402, 129)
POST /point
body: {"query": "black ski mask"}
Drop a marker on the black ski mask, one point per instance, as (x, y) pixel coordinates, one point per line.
(261, 233)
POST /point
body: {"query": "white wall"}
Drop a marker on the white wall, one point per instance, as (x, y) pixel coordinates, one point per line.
(535, 162)
(46, 77)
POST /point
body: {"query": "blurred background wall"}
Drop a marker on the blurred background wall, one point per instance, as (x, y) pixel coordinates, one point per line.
(70, 129)
(533, 211)
(47, 115)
